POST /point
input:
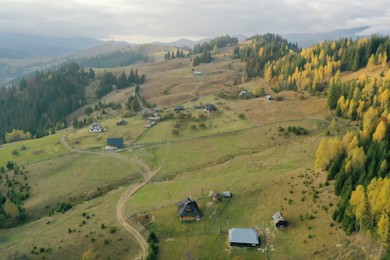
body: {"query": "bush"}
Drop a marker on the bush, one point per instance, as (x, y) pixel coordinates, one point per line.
(112, 230)
(64, 206)
(241, 116)
(175, 132)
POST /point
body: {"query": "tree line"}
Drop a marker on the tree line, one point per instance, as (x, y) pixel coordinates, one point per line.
(171, 55)
(109, 80)
(358, 162)
(14, 191)
(41, 102)
(310, 69)
(114, 59)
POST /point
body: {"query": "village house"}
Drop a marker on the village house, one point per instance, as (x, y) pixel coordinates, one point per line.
(188, 210)
(114, 143)
(178, 108)
(243, 237)
(121, 122)
(210, 107)
(279, 220)
(243, 94)
(96, 127)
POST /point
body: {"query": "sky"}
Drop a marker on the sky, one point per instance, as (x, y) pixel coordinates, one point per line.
(140, 21)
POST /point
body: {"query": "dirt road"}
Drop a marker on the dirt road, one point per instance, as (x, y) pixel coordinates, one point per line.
(121, 206)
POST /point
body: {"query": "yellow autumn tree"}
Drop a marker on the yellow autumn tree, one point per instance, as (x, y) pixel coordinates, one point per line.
(11, 209)
(346, 140)
(358, 157)
(328, 150)
(380, 132)
(352, 145)
(384, 98)
(371, 62)
(373, 190)
(368, 122)
(358, 202)
(383, 231)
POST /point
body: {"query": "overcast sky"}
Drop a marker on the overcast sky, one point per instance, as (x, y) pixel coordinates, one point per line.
(164, 20)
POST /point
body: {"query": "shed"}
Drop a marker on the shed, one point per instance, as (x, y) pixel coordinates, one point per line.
(121, 122)
(197, 72)
(279, 220)
(243, 237)
(226, 194)
(243, 94)
(188, 210)
(178, 108)
(210, 107)
(116, 142)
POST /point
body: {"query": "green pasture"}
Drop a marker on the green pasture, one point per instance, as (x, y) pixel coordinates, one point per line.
(76, 177)
(87, 238)
(82, 139)
(30, 151)
(263, 182)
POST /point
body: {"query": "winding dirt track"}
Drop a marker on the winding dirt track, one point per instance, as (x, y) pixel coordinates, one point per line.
(121, 206)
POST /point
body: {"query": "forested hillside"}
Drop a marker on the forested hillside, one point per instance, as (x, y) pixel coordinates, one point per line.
(357, 161)
(285, 67)
(41, 102)
(114, 59)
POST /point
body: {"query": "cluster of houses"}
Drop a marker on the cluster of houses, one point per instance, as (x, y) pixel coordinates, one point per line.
(208, 107)
(188, 210)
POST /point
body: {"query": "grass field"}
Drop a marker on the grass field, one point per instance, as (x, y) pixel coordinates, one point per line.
(74, 178)
(86, 239)
(264, 182)
(31, 151)
(83, 139)
(267, 170)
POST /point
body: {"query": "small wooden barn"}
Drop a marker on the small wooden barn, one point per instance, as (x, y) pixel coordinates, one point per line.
(279, 220)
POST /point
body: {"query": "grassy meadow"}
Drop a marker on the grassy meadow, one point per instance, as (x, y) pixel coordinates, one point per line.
(266, 169)
(30, 151)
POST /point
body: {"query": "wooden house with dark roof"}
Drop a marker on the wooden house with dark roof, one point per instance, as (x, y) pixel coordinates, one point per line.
(188, 210)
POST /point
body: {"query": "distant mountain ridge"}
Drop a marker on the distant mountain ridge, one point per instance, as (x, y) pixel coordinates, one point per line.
(308, 39)
(19, 46)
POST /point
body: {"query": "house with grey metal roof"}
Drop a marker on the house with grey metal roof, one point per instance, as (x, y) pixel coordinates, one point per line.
(244, 237)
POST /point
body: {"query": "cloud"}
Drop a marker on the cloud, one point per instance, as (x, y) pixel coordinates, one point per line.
(178, 18)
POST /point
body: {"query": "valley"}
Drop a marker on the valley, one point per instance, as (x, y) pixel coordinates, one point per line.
(248, 147)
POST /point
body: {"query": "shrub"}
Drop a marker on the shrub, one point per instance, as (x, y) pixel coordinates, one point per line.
(241, 116)
(112, 230)
(175, 132)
